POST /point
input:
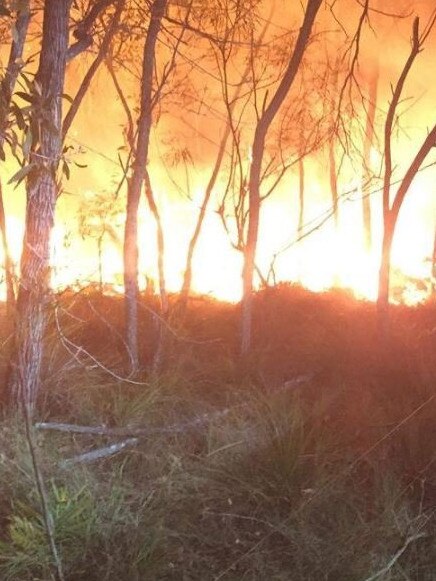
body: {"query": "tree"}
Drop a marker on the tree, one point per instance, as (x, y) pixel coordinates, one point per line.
(228, 38)
(136, 180)
(19, 33)
(96, 218)
(368, 144)
(391, 209)
(258, 149)
(42, 189)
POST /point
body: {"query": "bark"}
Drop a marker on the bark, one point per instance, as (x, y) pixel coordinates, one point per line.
(136, 182)
(6, 90)
(258, 150)
(369, 141)
(42, 191)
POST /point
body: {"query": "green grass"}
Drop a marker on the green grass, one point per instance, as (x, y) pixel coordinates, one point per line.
(330, 480)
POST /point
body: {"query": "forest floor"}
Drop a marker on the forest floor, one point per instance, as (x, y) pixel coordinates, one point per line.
(312, 460)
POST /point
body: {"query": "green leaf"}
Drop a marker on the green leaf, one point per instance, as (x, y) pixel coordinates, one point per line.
(27, 144)
(25, 96)
(19, 116)
(21, 174)
(66, 170)
(68, 98)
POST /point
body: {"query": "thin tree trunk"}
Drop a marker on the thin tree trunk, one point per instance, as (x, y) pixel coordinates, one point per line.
(187, 277)
(100, 264)
(164, 305)
(433, 268)
(136, 182)
(369, 141)
(391, 210)
(384, 276)
(258, 150)
(301, 205)
(333, 176)
(8, 264)
(7, 87)
(90, 74)
(42, 190)
(389, 224)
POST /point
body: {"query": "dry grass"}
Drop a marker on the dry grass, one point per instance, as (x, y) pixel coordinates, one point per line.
(333, 479)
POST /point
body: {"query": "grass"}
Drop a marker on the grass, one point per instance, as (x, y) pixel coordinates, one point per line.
(330, 479)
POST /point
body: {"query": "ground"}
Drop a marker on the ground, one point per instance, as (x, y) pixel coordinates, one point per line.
(313, 459)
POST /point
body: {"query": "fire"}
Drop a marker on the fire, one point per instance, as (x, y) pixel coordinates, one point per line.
(324, 259)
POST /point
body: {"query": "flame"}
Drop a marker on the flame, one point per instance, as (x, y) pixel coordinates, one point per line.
(324, 259)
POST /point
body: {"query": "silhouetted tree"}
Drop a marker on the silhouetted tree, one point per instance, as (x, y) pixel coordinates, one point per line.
(391, 208)
(267, 116)
(136, 180)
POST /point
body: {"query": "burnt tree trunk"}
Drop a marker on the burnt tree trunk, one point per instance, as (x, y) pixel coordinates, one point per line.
(136, 182)
(254, 183)
(42, 191)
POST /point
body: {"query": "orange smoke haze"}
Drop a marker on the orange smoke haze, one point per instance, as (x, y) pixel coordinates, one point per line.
(324, 258)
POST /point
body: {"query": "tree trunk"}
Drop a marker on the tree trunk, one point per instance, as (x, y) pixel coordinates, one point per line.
(333, 175)
(258, 150)
(369, 141)
(390, 219)
(91, 72)
(160, 321)
(8, 264)
(384, 275)
(433, 268)
(136, 182)
(301, 184)
(42, 191)
(7, 87)
(100, 263)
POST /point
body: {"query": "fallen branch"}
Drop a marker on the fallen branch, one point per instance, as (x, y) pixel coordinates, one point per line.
(197, 422)
(94, 455)
(395, 558)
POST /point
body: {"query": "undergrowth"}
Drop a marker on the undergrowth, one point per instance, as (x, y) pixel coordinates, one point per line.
(314, 460)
